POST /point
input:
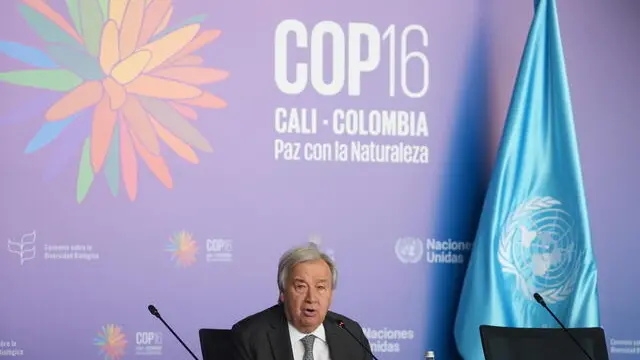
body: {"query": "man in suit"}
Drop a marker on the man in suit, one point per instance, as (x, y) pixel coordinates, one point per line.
(300, 326)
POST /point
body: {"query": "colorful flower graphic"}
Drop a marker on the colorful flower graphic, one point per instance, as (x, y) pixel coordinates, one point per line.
(137, 80)
(183, 249)
(111, 342)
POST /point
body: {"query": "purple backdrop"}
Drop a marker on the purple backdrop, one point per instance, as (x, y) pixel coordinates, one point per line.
(201, 238)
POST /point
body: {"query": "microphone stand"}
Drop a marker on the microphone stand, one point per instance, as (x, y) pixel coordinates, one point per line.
(541, 301)
(154, 312)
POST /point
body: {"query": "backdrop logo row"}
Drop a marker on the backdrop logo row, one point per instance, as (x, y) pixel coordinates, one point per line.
(126, 69)
(184, 249)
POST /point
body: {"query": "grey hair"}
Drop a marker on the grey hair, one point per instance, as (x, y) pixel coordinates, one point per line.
(296, 255)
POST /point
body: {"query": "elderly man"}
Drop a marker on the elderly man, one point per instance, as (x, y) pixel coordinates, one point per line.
(300, 326)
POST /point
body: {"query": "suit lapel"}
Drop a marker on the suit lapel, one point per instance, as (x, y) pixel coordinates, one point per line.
(337, 341)
(279, 338)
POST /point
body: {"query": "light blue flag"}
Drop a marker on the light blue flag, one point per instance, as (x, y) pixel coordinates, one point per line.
(533, 235)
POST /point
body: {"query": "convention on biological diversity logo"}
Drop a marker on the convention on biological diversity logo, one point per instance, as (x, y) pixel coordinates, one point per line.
(123, 66)
(111, 342)
(183, 249)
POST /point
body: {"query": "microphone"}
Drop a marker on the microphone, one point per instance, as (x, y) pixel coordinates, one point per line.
(341, 325)
(540, 301)
(154, 312)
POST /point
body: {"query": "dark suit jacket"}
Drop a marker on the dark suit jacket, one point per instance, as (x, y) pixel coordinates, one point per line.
(265, 336)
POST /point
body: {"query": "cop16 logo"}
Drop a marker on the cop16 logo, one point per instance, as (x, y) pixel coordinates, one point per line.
(355, 50)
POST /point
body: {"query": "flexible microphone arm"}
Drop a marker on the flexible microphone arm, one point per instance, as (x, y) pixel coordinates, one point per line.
(154, 312)
(540, 301)
(341, 325)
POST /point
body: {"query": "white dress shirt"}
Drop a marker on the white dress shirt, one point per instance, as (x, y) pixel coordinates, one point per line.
(320, 346)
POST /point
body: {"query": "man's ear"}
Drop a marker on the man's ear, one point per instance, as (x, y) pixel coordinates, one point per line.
(281, 298)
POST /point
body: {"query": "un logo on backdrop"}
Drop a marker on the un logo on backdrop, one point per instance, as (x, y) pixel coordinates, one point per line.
(409, 250)
(537, 247)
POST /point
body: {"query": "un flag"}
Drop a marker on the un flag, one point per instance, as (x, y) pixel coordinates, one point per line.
(533, 234)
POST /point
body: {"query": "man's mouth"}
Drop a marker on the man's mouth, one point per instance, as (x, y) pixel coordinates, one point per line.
(309, 312)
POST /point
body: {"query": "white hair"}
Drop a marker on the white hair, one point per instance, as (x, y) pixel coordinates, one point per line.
(296, 255)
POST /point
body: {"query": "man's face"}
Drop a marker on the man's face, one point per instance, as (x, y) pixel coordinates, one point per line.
(307, 295)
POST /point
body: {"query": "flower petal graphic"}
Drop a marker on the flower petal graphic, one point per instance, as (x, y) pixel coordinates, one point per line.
(169, 45)
(185, 111)
(206, 100)
(198, 42)
(139, 77)
(47, 133)
(138, 122)
(91, 21)
(189, 60)
(44, 17)
(104, 8)
(109, 47)
(116, 10)
(161, 88)
(183, 150)
(112, 164)
(163, 24)
(155, 163)
(82, 97)
(171, 120)
(104, 120)
(85, 174)
(79, 62)
(74, 13)
(130, 68)
(130, 29)
(27, 54)
(153, 17)
(56, 79)
(192, 75)
(129, 162)
(116, 92)
(198, 19)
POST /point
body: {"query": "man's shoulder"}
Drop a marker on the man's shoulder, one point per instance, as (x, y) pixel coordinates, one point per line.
(348, 322)
(260, 320)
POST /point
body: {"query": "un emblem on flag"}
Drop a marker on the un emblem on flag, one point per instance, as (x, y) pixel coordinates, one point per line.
(537, 247)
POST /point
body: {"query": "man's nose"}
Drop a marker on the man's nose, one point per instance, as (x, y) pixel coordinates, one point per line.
(312, 296)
